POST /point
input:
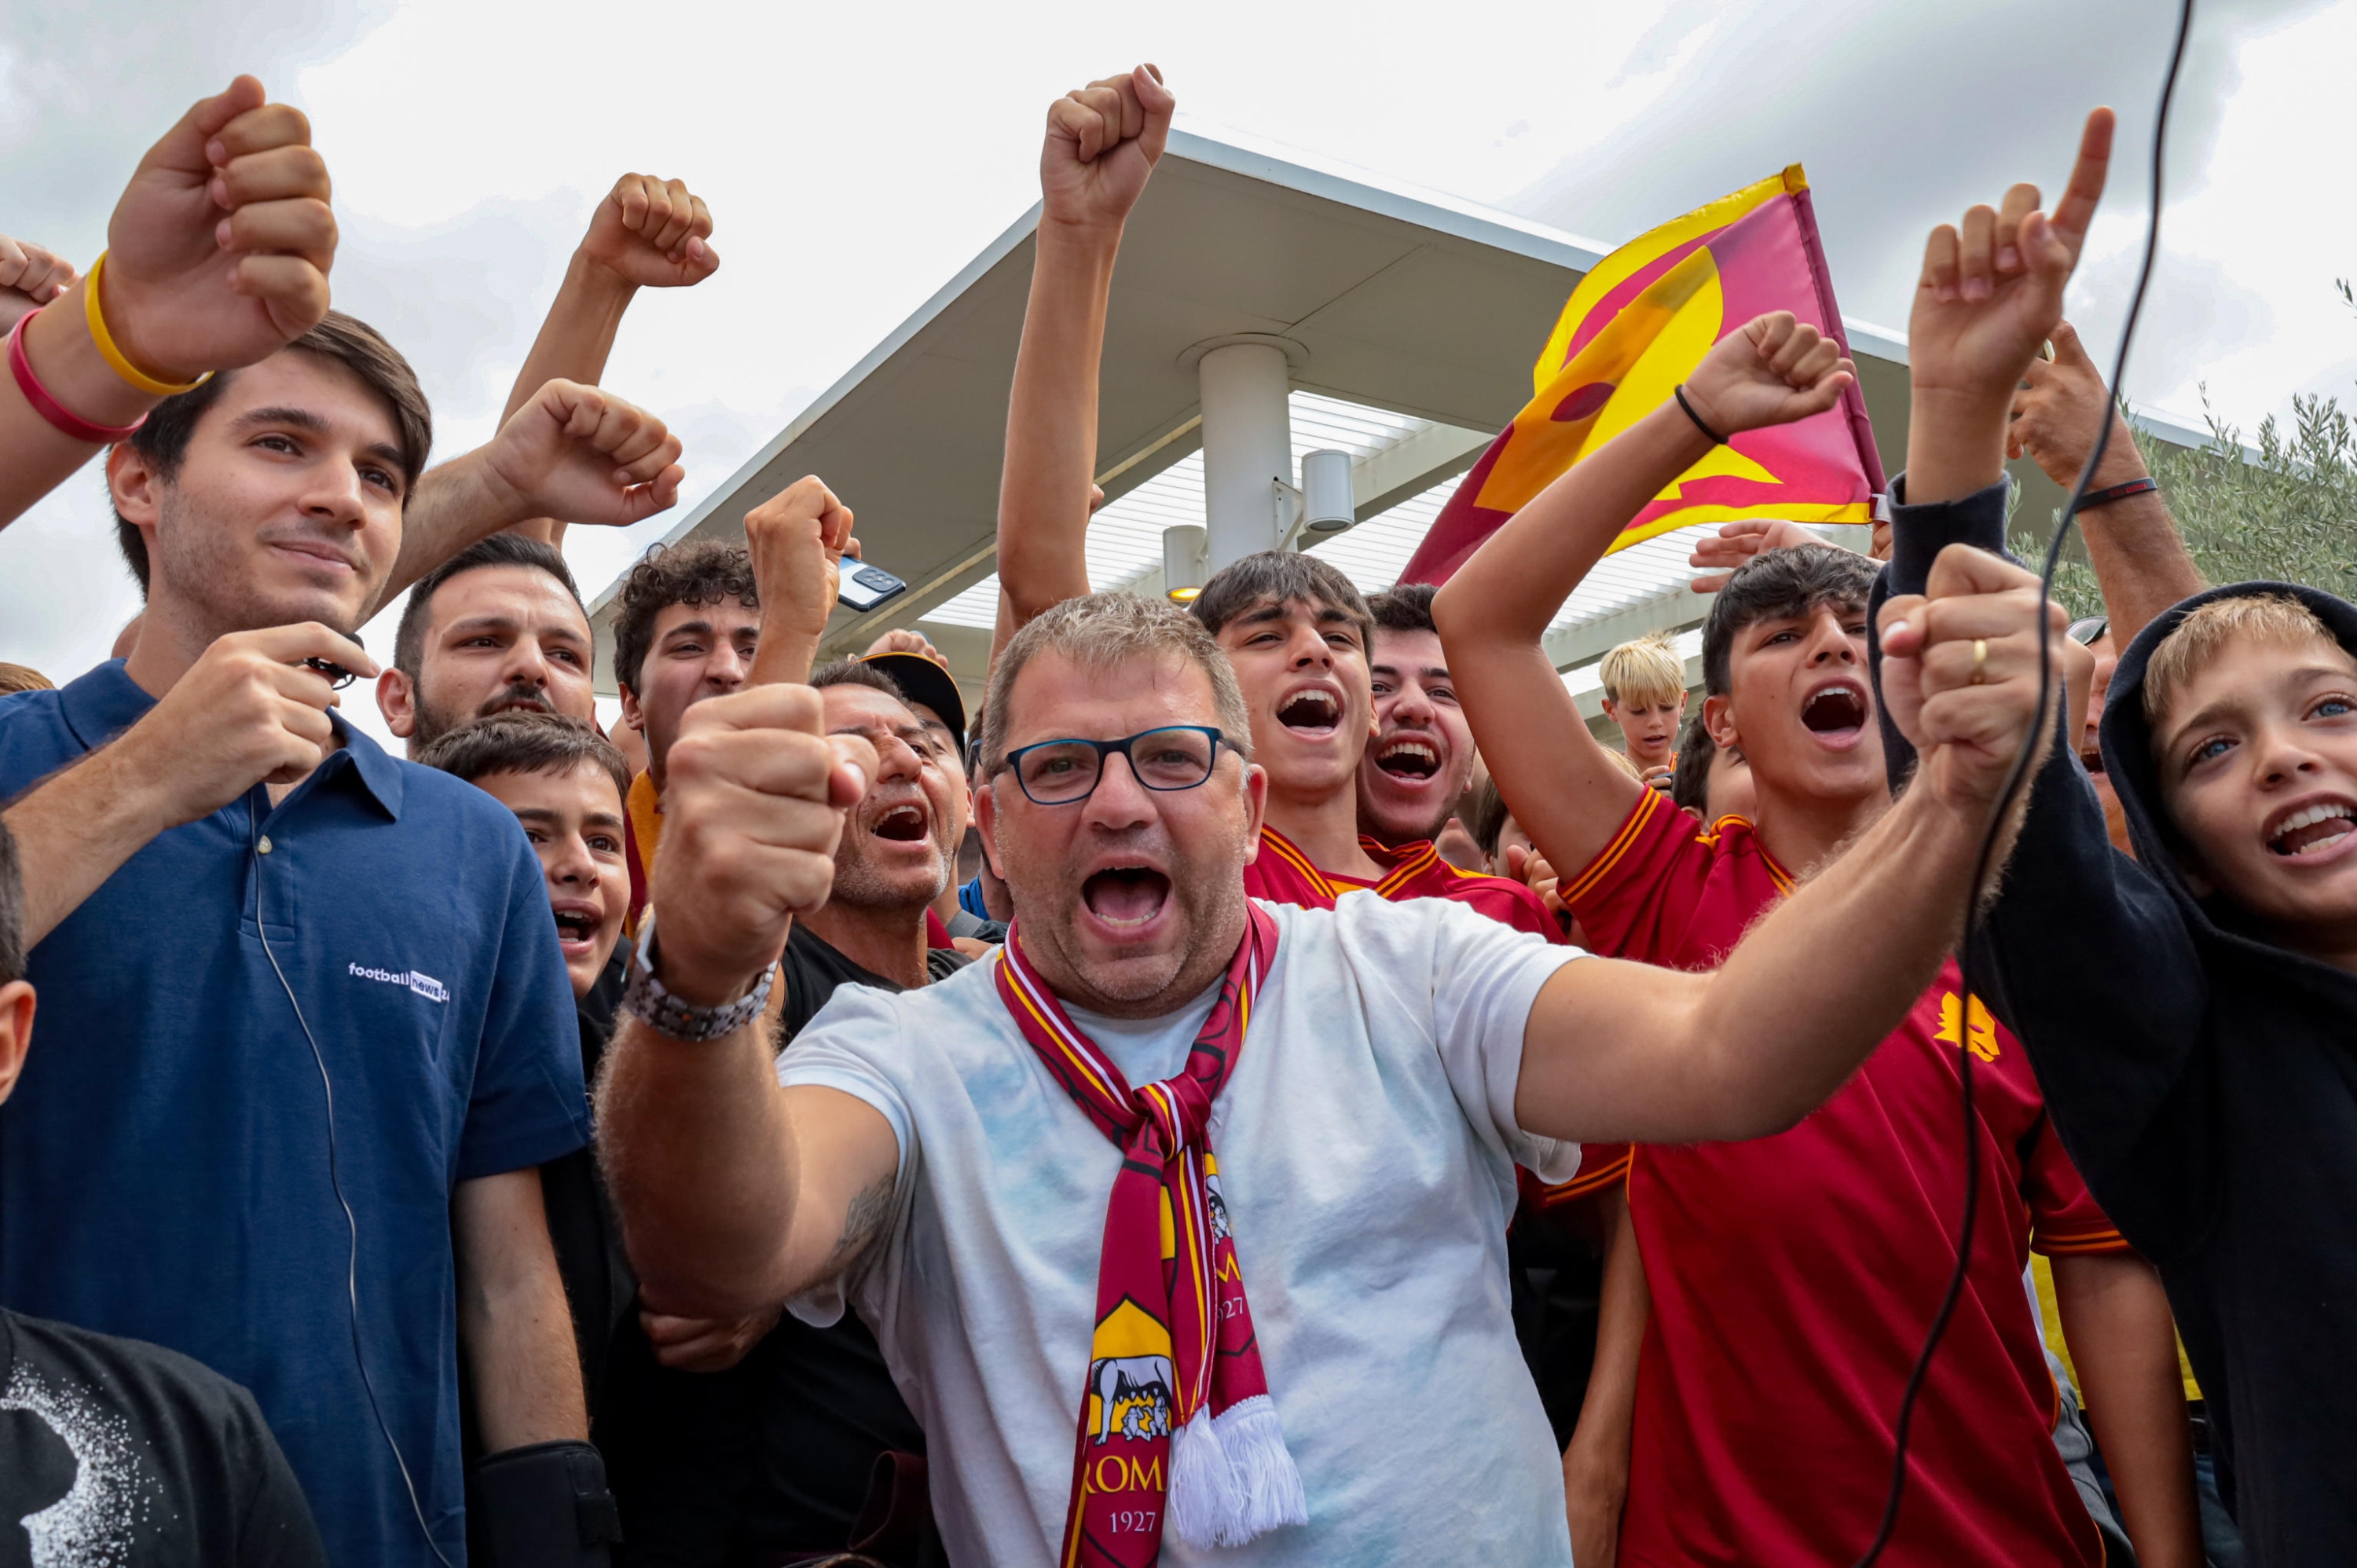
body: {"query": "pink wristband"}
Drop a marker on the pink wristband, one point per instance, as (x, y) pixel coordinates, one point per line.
(63, 418)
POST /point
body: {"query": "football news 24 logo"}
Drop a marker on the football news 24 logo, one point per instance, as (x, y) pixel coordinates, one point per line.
(425, 986)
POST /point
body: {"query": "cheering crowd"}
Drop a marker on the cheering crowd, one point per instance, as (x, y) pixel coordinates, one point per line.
(1346, 1112)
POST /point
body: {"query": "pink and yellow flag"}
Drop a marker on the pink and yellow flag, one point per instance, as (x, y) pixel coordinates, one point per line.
(1637, 325)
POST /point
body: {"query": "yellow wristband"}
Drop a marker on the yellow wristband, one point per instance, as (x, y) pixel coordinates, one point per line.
(115, 356)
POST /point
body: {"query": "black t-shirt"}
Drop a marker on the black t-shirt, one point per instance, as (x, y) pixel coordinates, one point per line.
(120, 1452)
(581, 1225)
(774, 1455)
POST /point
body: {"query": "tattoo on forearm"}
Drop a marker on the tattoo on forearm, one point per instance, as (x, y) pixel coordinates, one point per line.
(868, 1214)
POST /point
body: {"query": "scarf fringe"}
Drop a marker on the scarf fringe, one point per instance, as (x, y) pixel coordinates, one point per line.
(1231, 1479)
(1267, 1485)
(1202, 1502)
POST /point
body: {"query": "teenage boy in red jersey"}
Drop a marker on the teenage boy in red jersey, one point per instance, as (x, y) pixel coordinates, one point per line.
(1295, 627)
(1834, 1242)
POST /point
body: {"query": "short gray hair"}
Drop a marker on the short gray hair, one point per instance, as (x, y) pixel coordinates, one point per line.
(1099, 633)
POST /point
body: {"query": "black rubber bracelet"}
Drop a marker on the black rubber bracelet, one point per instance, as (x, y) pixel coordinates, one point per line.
(1679, 391)
(2145, 485)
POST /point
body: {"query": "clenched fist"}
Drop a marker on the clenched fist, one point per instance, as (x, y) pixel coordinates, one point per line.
(1959, 668)
(754, 796)
(651, 233)
(218, 252)
(2058, 411)
(798, 539)
(579, 454)
(1104, 140)
(30, 276)
(1772, 371)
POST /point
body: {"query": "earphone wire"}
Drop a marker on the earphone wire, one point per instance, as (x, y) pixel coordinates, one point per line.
(2014, 779)
(351, 1221)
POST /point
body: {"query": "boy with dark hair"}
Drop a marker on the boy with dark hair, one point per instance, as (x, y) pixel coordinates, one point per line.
(131, 1452)
(565, 782)
(2189, 1008)
(687, 621)
(1420, 764)
(499, 627)
(1840, 1231)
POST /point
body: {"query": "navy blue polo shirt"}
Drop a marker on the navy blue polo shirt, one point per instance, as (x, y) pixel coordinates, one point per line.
(163, 1164)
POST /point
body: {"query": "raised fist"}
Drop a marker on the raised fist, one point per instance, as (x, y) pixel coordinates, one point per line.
(1960, 672)
(2058, 408)
(798, 539)
(579, 454)
(1991, 288)
(754, 796)
(1774, 370)
(651, 233)
(902, 639)
(30, 276)
(218, 252)
(1103, 142)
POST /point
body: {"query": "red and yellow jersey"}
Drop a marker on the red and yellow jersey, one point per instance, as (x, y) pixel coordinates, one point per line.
(1283, 874)
(1793, 1276)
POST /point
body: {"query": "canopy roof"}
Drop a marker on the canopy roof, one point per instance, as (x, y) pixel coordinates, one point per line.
(1410, 319)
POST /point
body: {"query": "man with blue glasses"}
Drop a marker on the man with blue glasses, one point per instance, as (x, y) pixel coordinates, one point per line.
(1209, 1192)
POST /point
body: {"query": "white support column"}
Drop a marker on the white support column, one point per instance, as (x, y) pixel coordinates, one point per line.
(1247, 446)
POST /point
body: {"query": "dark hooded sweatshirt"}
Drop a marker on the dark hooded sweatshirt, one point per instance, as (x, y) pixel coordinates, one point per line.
(2203, 1079)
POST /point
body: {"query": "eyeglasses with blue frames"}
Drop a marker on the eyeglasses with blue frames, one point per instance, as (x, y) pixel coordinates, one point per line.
(1066, 772)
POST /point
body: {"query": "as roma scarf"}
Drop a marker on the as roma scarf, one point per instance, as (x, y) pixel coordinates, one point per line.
(1175, 1417)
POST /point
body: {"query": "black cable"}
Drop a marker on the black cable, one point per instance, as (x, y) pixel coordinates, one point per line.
(351, 1222)
(2014, 781)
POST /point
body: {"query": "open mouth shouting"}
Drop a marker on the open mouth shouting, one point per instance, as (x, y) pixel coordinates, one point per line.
(578, 921)
(1409, 758)
(2313, 830)
(904, 823)
(1837, 713)
(1126, 899)
(1313, 712)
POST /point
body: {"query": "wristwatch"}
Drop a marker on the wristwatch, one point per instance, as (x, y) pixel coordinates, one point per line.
(644, 998)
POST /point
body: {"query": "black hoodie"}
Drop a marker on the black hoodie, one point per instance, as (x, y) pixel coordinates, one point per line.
(2204, 1081)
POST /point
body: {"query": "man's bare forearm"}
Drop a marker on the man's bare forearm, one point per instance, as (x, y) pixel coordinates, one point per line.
(66, 361)
(455, 504)
(1868, 933)
(2140, 560)
(513, 1321)
(2116, 1320)
(1596, 1463)
(1516, 582)
(75, 830)
(695, 1141)
(1623, 1051)
(1051, 420)
(573, 344)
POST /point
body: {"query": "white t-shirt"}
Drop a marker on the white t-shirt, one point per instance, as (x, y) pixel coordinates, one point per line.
(1367, 1146)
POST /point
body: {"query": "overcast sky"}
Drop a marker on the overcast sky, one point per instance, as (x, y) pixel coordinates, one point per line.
(855, 157)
